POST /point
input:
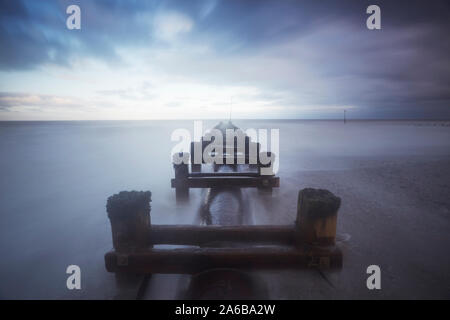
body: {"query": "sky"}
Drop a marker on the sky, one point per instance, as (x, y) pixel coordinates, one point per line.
(203, 59)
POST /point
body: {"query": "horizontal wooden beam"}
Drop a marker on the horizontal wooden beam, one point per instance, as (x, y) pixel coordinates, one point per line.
(198, 235)
(223, 174)
(194, 260)
(237, 182)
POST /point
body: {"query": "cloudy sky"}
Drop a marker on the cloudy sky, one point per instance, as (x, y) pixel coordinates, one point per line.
(202, 59)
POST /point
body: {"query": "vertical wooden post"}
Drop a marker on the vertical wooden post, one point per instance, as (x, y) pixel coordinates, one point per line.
(196, 147)
(317, 216)
(181, 173)
(129, 214)
(268, 166)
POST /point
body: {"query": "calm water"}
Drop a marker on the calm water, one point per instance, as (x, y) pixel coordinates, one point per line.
(56, 177)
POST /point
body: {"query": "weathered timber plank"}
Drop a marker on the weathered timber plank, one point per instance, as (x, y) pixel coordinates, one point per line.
(238, 182)
(197, 235)
(194, 260)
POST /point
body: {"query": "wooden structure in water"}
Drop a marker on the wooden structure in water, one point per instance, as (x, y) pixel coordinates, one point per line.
(309, 242)
(234, 150)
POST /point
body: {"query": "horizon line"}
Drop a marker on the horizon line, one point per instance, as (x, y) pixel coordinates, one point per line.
(237, 119)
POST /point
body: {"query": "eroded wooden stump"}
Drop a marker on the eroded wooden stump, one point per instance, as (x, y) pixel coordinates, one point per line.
(317, 216)
(129, 214)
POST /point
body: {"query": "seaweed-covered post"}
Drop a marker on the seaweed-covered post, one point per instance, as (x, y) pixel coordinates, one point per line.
(317, 216)
(129, 214)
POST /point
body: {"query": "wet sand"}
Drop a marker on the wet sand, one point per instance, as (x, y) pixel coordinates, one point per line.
(395, 214)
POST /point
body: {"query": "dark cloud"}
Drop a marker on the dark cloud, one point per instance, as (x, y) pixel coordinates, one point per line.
(402, 69)
(34, 32)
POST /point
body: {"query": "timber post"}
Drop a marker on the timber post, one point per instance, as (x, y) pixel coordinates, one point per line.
(317, 216)
(181, 174)
(129, 214)
(268, 171)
